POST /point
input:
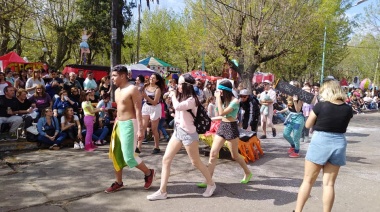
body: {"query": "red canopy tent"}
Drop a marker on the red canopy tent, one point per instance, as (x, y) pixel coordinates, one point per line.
(11, 57)
(98, 71)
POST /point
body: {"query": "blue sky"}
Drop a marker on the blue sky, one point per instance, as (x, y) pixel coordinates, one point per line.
(359, 9)
(179, 5)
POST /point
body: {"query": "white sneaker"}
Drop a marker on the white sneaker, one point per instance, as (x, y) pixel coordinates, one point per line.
(157, 195)
(209, 190)
(81, 145)
(76, 145)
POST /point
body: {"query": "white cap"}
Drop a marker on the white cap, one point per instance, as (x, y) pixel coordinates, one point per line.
(267, 81)
(244, 92)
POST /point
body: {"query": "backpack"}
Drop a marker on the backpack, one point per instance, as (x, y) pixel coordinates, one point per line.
(202, 121)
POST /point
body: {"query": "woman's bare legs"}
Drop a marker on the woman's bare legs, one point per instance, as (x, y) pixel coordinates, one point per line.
(193, 153)
(172, 148)
(330, 173)
(156, 135)
(145, 122)
(310, 176)
(233, 146)
(217, 144)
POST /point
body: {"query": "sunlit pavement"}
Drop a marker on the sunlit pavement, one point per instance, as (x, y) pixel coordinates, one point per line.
(72, 180)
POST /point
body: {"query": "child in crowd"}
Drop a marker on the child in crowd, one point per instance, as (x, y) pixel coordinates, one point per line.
(89, 116)
(210, 105)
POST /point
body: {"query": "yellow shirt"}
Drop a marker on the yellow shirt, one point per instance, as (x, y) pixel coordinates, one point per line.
(86, 111)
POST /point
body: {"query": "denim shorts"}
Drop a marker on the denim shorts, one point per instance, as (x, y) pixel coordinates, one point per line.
(186, 138)
(327, 147)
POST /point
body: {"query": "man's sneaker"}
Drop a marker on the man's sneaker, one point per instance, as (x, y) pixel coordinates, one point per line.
(263, 137)
(98, 143)
(156, 151)
(209, 190)
(81, 145)
(294, 155)
(114, 187)
(137, 150)
(149, 179)
(274, 133)
(76, 145)
(290, 150)
(157, 195)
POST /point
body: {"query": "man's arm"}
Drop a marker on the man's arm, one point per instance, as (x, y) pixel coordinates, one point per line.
(136, 100)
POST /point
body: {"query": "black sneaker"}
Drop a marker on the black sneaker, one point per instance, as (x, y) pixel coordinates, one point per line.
(274, 133)
(263, 137)
(156, 151)
(137, 150)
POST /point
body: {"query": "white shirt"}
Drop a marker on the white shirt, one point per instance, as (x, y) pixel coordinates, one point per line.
(89, 84)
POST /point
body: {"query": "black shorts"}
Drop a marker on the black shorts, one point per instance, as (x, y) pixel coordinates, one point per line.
(228, 130)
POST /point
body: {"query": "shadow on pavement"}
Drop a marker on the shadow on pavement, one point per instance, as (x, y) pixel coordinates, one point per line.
(233, 190)
(357, 134)
(357, 160)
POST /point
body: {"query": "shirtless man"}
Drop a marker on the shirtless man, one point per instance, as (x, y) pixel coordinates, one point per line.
(129, 121)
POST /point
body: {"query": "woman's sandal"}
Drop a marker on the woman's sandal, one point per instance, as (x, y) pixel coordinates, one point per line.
(245, 181)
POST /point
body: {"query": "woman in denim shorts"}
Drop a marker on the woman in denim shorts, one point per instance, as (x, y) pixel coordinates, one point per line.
(327, 149)
(185, 134)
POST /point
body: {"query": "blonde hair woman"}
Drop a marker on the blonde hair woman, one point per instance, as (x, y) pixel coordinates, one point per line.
(327, 149)
(33, 81)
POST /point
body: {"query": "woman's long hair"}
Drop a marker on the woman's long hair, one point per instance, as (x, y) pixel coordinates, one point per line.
(160, 82)
(68, 118)
(227, 95)
(332, 91)
(34, 74)
(43, 113)
(188, 89)
(43, 91)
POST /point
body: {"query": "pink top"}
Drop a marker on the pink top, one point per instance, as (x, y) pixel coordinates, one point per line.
(182, 117)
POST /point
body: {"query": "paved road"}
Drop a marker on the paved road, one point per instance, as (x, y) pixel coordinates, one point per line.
(69, 180)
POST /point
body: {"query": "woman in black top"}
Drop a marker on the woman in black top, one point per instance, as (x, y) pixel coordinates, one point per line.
(327, 149)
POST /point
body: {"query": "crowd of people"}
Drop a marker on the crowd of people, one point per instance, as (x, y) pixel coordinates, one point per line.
(78, 108)
(66, 106)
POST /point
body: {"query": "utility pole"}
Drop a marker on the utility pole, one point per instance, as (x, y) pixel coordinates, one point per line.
(114, 14)
(204, 33)
(138, 33)
(323, 55)
(375, 78)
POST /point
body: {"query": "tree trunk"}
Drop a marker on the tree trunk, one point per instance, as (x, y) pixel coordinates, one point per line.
(5, 30)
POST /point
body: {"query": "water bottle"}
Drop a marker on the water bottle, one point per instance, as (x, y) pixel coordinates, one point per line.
(9, 110)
